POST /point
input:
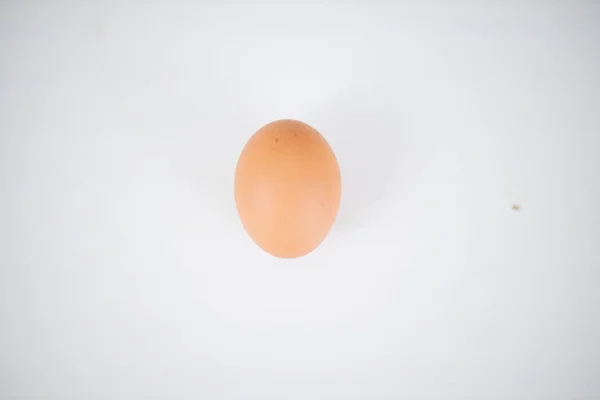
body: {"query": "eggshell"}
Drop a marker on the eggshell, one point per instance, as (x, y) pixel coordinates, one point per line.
(287, 188)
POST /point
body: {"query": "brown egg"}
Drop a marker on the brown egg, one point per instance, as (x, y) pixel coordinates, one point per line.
(287, 188)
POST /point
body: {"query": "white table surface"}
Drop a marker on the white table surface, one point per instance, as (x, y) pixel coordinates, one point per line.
(125, 272)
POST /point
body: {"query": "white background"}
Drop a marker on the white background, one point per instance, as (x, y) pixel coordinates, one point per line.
(125, 272)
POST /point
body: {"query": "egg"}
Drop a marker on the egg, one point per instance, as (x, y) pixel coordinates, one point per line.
(287, 188)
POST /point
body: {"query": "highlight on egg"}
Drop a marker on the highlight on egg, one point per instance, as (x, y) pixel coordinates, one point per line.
(287, 188)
